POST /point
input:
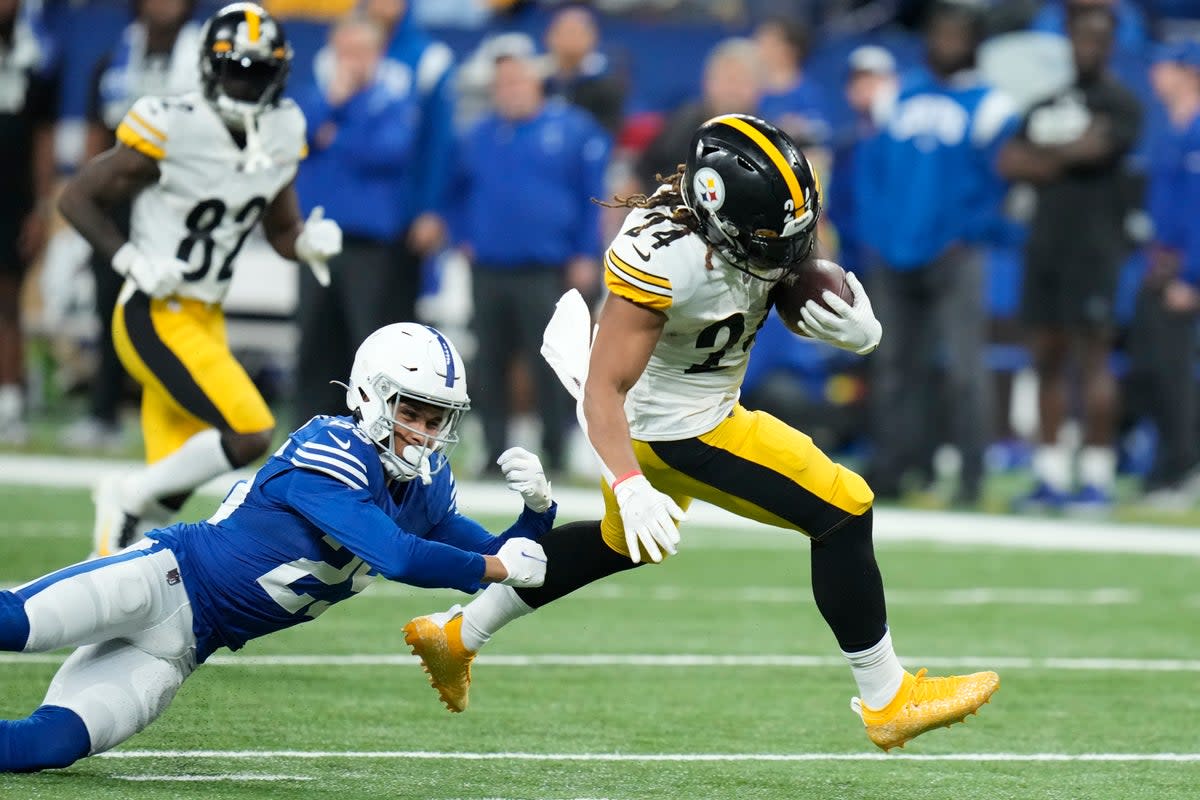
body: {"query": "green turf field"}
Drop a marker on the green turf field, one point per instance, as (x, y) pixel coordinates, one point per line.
(1099, 657)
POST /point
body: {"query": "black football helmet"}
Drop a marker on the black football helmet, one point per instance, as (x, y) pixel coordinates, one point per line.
(244, 61)
(755, 194)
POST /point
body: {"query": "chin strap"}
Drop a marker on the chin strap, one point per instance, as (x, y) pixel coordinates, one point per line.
(256, 157)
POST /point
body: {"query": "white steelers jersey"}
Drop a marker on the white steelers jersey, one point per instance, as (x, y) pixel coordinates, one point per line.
(695, 373)
(208, 198)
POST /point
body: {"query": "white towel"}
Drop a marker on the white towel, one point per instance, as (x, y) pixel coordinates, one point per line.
(567, 348)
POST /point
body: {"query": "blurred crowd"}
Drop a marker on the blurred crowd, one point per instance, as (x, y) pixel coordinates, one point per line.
(1016, 183)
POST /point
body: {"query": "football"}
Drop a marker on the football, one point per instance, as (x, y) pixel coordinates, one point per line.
(810, 283)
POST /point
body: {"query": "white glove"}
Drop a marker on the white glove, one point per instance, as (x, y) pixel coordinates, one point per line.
(649, 517)
(525, 561)
(320, 241)
(157, 277)
(525, 475)
(848, 327)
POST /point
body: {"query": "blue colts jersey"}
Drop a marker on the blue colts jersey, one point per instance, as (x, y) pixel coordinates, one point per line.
(313, 527)
(928, 178)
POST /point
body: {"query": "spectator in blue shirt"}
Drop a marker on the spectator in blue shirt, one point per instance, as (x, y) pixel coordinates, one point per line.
(362, 149)
(870, 92)
(790, 99)
(527, 175)
(1163, 338)
(928, 196)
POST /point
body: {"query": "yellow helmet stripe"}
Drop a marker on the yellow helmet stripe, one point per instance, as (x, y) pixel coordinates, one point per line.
(253, 25)
(773, 153)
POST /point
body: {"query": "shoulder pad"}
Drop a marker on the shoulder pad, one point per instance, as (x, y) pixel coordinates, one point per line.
(145, 127)
(289, 130)
(337, 448)
(646, 262)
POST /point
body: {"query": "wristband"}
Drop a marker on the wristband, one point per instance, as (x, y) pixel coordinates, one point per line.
(626, 476)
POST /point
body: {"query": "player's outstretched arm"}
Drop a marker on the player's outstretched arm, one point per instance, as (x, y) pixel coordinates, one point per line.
(458, 530)
(106, 180)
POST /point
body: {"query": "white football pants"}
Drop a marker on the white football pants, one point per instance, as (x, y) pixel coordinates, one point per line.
(130, 617)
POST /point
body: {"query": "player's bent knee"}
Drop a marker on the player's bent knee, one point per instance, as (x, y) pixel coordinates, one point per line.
(116, 689)
(243, 448)
(856, 495)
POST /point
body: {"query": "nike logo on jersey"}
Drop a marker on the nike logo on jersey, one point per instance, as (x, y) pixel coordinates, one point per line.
(644, 256)
(344, 445)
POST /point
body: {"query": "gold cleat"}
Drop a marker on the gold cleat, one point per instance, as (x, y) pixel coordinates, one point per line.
(923, 704)
(437, 641)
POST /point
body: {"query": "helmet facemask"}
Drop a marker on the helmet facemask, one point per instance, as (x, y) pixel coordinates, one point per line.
(242, 88)
(411, 460)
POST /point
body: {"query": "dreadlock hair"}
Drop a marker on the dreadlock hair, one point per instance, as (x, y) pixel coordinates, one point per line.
(669, 198)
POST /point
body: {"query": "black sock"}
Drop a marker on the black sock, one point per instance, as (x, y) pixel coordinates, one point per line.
(847, 585)
(175, 502)
(576, 555)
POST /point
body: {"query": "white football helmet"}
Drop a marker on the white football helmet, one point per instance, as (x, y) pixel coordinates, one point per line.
(407, 361)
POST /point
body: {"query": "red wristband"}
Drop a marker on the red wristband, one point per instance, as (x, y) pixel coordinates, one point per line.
(626, 476)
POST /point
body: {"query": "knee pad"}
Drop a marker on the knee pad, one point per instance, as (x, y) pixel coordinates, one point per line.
(50, 738)
(14, 623)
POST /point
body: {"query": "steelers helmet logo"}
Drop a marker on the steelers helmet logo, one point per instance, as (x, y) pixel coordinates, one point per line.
(710, 189)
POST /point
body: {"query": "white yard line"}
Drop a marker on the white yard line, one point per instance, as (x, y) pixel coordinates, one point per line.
(646, 757)
(42, 529)
(209, 778)
(891, 525)
(669, 660)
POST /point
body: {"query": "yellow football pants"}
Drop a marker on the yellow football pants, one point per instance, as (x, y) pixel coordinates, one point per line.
(176, 349)
(755, 466)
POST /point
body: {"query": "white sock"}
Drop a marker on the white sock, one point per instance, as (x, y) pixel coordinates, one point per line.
(489, 612)
(1098, 467)
(12, 402)
(877, 672)
(200, 459)
(1052, 466)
